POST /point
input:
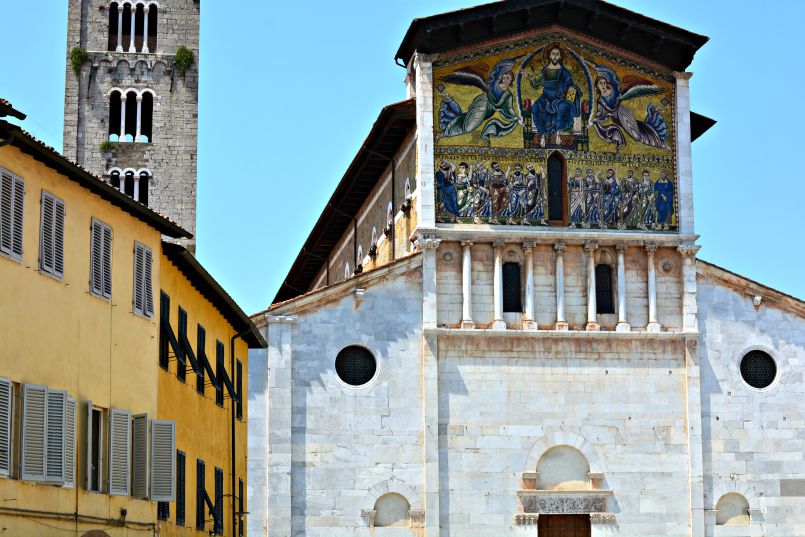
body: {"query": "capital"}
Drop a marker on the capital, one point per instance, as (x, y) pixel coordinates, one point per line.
(529, 245)
(498, 244)
(466, 244)
(559, 247)
(590, 246)
(427, 242)
(651, 247)
(620, 247)
(688, 250)
(683, 75)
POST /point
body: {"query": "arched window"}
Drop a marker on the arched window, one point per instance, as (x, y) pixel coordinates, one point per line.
(114, 178)
(133, 28)
(114, 20)
(563, 468)
(732, 509)
(146, 117)
(151, 27)
(557, 188)
(128, 187)
(131, 115)
(114, 116)
(511, 288)
(391, 511)
(143, 188)
(604, 299)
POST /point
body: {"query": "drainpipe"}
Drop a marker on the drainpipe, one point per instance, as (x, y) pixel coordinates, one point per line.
(233, 466)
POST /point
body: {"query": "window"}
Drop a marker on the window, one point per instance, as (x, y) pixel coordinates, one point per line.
(241, 508)
(163, 510)
(131, 113)
(12, 196)
(51, 240)
(95, 446)
(44, 424)
(132, 29)
(218, 526)
(181, 365)
(758, 369)
(202, 358)
(604, 301)
(164, 344)
(100, 277)
(219, 368)
(163, 460)
(239, 387)
(556, 189)
(180, 487)
(119, 451)
(139, 456)
(6, 413)
(143, 291)
(200, 494)
(511, 288)
(355, 365)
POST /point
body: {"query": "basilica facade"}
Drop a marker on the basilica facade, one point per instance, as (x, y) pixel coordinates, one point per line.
(499, 325)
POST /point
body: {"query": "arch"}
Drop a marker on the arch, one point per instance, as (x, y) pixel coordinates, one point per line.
(557, 189)
(732, 509)
(113, 169)
(565, 438)
(392, 510)
(563, 468)
(144, 171)
(374, 235)
(392, 485)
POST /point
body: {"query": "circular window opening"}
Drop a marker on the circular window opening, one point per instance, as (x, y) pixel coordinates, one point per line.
(355, 366)
(758, 369)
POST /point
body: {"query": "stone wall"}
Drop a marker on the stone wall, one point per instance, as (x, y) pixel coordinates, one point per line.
(172, 153)
(753, 440)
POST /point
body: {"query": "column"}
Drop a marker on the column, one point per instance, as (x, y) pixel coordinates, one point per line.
(590, 247)
(131, 41)
(497, 319)
(119, 47)
(139, 118)
(466, 285)
(122, 115)
(561, 323)
(653, 325)
(136, 187)
(529, 323)
(622, 325)
(683, 154)
(123, 183)
(145, 30)
(689, 305)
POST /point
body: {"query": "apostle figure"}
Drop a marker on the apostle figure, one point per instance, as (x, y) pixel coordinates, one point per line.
(648, 213)
(553, 112)
(575, 186)
(664, 200)
(463, 177)
(592, 198)
(518, 189)
(498, 182)
(479, 191)
(535, 199)
(629, 201)
(610, 200)
(446, 189)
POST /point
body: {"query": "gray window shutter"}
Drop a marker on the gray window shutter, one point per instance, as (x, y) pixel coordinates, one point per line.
(96, 253)
(139, 462)
(6, 411)
(89, 445)
(56, 418)
(46, 234)
(119, 451)
(19, 200)
(58, 238)
(163, 460)
(147, 284)
(12, 197)
(33, 432)
(138, 279)
(69, 444)
(107, 261)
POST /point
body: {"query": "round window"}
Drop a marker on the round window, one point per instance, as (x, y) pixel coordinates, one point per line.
(758, 369)
(355, 365)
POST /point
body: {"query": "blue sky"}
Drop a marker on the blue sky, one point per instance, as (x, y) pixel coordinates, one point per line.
(289, 91)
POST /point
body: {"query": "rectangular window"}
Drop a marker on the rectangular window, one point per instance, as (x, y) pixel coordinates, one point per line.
(143, 292)
(219, 368)
(218, 528)
(202, 358)
(511, 288)
(56, 432)
(6, 414)
(163, 460)
(241, 508)
(45, 432)
(139, 456)
(164, 344)
(180, 488)
(12, 198)
(100, 277)
(199, 494)
(119, 451)
(181, 365)
(604, 301)
(51, 239)
(95, 444)
(239, 386)
(163, 510)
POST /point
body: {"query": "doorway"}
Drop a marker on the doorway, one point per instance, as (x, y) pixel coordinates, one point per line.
(564, 526)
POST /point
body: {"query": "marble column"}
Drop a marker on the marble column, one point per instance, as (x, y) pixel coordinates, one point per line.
(136, 179)
(497, 295)
(466, 285)
(529, 322)
(145, 30)
(561, 322)
(653, 325)
(592, 324)
(122, 116)
(623, 325)
(131, 41)
(119, 47)
(139, 118)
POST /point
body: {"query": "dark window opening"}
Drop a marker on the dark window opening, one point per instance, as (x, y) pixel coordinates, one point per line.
(556, 189)
(241, 507)
(199, 494)
(114, 116)
(114, 179)
(219, 368)
(355, 365)
(144, 181)
(180, 487)
(127, 29)
(201, 356)
(511, 288)
(146, 117)
(113, 16)
(604, 301)
(758, 369)
(139, 27)
(131, 117)
(152, 28)
(96, 461)
(163, 510)
(128, 187)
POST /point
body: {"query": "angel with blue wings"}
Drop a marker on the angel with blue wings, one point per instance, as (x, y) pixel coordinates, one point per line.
(609, 107)
(496, 98)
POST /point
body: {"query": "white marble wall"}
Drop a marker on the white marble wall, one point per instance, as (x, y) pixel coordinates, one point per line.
(752, 439)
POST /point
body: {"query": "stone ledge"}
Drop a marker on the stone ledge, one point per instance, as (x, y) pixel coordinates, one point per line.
(561, 334)
(478, 233)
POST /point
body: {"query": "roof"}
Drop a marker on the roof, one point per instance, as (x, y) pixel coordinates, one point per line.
(387, 134)
(26, 143)
(663, 43)
(6, 109)
(214, 293)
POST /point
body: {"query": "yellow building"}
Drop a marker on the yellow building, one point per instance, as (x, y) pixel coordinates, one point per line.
(91, 428)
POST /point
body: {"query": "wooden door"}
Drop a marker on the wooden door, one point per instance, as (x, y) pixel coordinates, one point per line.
(564, 526)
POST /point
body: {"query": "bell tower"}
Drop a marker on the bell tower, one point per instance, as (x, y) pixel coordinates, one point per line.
(131, 99)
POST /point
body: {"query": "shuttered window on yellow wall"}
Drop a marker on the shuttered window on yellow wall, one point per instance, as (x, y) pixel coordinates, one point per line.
(139, 456)
(12, 197)
(163, 460)
(51, 236)
(143, 296)
(100, 278)
(6, 412)
(119, 451)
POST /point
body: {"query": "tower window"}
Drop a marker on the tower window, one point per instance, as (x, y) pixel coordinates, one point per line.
(556, 189)
(604, 301)
(131, 115)
(133, 184)
(511, 288)
(133, 28)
